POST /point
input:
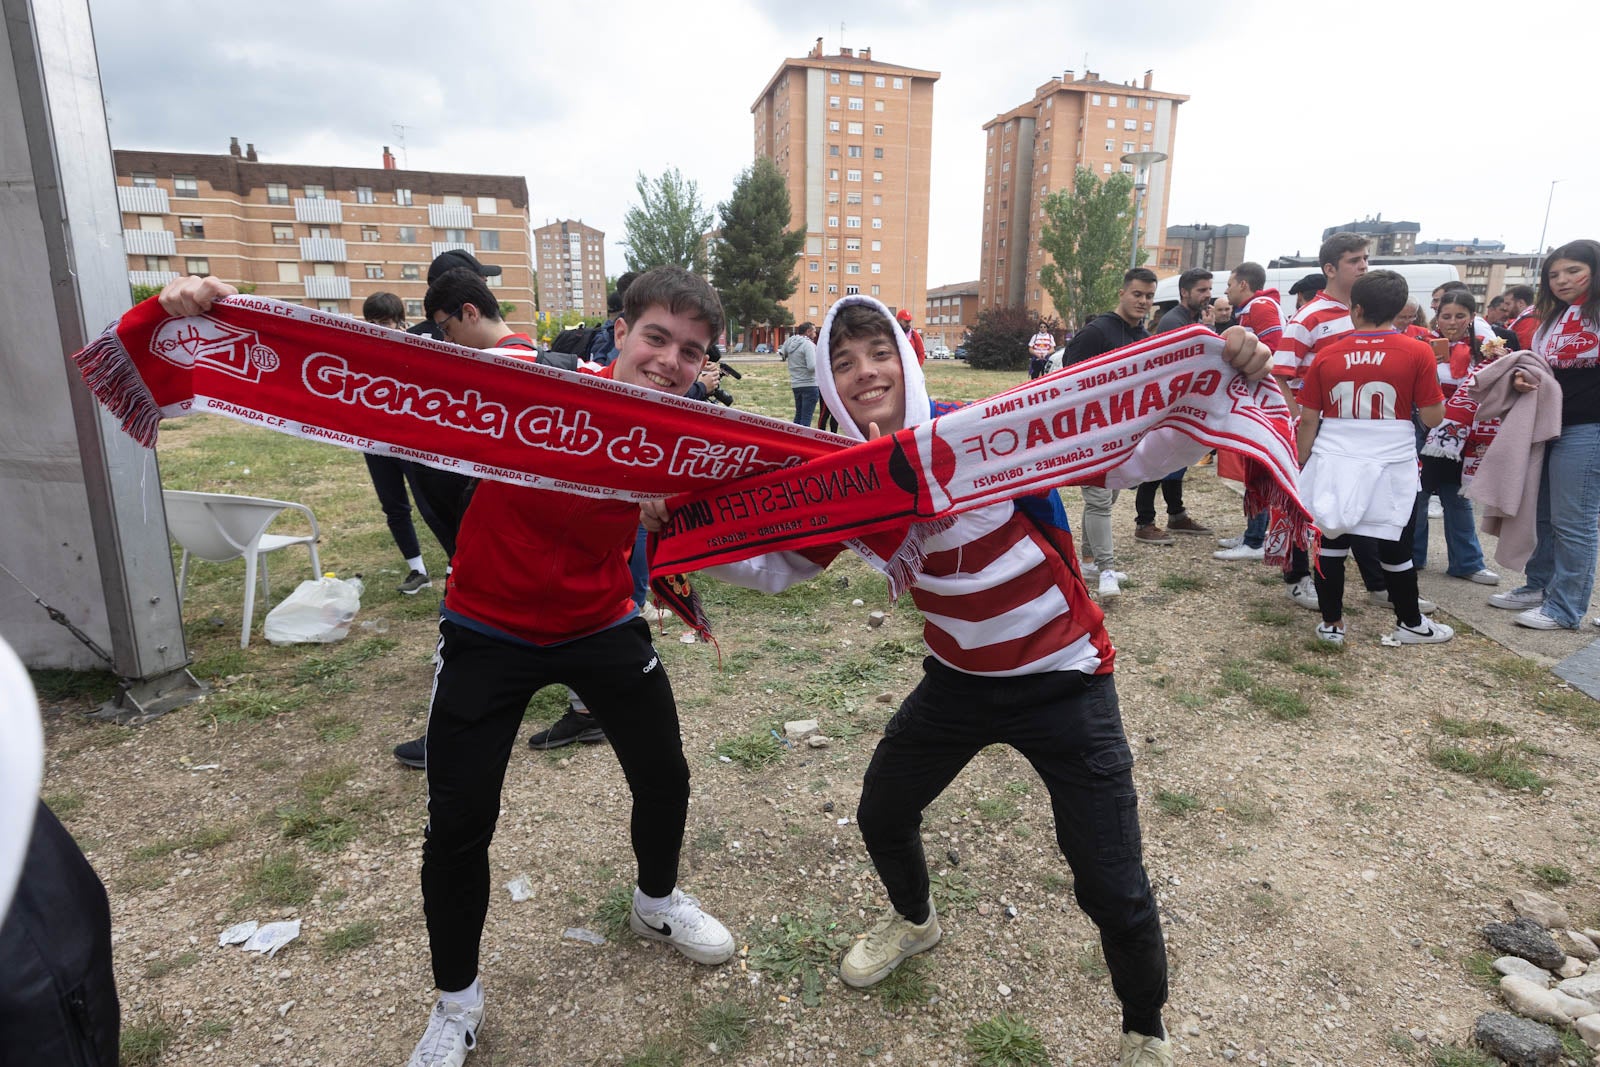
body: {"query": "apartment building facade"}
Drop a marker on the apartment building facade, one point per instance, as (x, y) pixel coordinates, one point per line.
(853, 137)
(1214, 248)
(951, 309)
(570, 260)
(326, 237)
(1389, 237)
(1034, 149)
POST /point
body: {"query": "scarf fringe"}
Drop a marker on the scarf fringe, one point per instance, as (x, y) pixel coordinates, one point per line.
(111, 376)
(1446, 441)
(903, 567)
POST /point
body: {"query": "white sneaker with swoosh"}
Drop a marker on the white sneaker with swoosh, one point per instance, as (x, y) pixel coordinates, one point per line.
(685, 926)
(886, 945)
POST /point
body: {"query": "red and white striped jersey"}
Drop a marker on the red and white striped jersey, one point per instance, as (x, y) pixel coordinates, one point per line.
(1314, 326)
(1262, 315)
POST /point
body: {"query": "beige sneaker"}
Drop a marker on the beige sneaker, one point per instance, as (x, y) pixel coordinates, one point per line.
(1141, 1051)
(870, 960)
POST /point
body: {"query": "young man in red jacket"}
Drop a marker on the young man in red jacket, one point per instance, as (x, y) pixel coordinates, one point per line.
(540, 593)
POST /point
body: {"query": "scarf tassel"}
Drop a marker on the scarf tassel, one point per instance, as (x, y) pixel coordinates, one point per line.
(111, 376)
(903, 567)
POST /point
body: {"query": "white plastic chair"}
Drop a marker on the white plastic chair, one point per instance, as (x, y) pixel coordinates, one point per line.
(218, 527)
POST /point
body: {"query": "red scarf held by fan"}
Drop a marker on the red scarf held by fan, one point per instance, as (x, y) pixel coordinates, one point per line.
(497, 415)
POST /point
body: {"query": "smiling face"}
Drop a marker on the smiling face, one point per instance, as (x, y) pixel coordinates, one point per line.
(661, 350)
(870, 379)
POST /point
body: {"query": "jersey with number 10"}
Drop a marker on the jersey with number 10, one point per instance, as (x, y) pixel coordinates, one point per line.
(1371, 375)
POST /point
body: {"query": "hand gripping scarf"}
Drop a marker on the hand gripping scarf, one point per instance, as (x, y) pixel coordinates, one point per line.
(497, 415)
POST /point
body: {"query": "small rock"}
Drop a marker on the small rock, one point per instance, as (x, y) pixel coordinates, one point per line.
(984, 909)
(875, 619)
(579, 934)
(1588, 1028)
(1519, 1042)
(827, 805)
(1592, 935)
(1586, 987)
(1572, 968)
(1532, 1000)
(1519, 966)
(1583, 946)
(283, 1009)
(1550, 914)
(1572, 1008)
(799, 729)
(1191, 1026)
(1229, 1055)
(953, 856)
(1005, 990)
(885, 698)
(816, 741)
(858, 603)
(1527, 939)
(1011, 911)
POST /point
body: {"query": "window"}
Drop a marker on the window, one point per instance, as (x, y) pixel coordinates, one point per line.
(899, 83)
(877, 224)
(451, 200)
(852, 198)
(1095, 99)
(833, 243)
(315, 192)
(877, 246)
(495, 281)
(833, 102)
(369, 234)
(877, 130)
(852, 222)
(833, 288)
(197, 265)
(1127, 146)
(833, 150)
(1106, 167)
(832, 268)
(1147, 127)
(414, 309)
(833, 175)
(144, 181)
(364, 195)
(878, 81)
(488, 240)
(1132, 103)
(192, 229)
(856, 103)
(1149, 105)
(289, 273)
(277, 193)
(857, 79)
(1111, 102)
(1145, 147)
(185, 185)
(876, 289)
(854, 151)
(877, 199)
(408, 235)
(487, 205)
(852, 175)
(160, 263)
(877, 268)
(321, 231)
(833, 196)
(410, 272)
(458, 236)
(374, 270)
(814, 288)
(1110, 145)
(815, 311)
(1130, 124)
(877, 153)
(852, 244)
(833, 125)
(330, 306)
(282, 234)
(813, 265)
(323, 270)
(833, 77)
(833, 222)
(877, 105)
(402, 197)
(1111, 124)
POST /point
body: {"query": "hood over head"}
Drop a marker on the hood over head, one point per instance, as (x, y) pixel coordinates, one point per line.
(915, 386)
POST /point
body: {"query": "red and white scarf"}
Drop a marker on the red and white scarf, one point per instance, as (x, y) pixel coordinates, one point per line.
(496, 415)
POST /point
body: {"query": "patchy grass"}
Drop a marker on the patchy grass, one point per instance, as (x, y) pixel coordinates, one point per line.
(1318, 646)
(655, 1054)
(349, 938)
(997, 810)
(1285, 705)
(215, 1028)
(1092, 964)
(1456, 1056)
(335, 729)
(159, 968)
(250, 703)
(611, 916)
(1575, 1049)
(203, 840)
(1270, 616)
(951, 890)
(1314, 670)
(1006, 1041)
(907, 986)
(1236, 677)
(144, 1042)
(53, 685)
(1553, 875)
(279, 879)
(1503, 765)
(1480, 967)
(752, 750)
(64, 804)
(1181, 583)
(1571, 705)
(1471, 727)
(723, 1027)
(1176, 804)
(1515, 668)
(800, 946)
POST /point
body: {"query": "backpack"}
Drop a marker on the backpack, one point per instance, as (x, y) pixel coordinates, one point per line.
(575, 341)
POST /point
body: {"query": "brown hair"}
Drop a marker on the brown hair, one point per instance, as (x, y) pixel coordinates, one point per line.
(676, 290)
(1549, 308)
(857, 322)
(1340, 245)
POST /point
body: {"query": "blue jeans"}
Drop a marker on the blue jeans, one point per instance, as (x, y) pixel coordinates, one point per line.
(1463, 554)
(805, 403)
(1255, 531)
(1563, 562)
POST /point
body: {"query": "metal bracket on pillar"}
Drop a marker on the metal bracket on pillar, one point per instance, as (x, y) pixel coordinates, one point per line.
(142, 699)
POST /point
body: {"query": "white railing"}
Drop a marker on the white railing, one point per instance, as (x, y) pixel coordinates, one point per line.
(322, 249)
(149, 242)
(450, 216)
(319, 287)
(150, 277)
(440, 247)
(142, 200)
(308, 210)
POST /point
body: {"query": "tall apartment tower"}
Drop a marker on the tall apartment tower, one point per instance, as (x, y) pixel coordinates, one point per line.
(326, 237)
(571, 260)
(1035, 148)
(853, 136)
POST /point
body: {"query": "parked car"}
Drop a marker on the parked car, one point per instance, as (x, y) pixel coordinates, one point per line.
(939, 352)
(961, 351)
(763, 348)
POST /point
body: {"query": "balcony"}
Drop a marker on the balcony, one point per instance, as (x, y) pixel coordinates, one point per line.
(142, 200)
(155, 278)
(441, 247)
(322, 249)
(149, 242)
(321, 287)
(450, 216)
(307, 210)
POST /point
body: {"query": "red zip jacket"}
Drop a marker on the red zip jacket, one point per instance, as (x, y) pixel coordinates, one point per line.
(539, 566)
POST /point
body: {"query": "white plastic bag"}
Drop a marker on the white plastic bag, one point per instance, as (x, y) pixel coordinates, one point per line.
(317, 612)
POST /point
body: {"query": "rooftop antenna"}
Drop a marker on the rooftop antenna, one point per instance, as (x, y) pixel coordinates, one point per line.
(400, 129)
(841, 36)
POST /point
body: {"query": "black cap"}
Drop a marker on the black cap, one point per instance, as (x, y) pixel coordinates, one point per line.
(457, 258)
(1309, 284)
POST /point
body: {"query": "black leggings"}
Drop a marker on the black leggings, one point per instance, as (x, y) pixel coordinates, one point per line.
(1069, 727)
(481, 687)
(1400, 577)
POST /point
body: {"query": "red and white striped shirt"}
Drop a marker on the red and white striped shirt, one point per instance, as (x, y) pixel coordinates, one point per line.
(1262, 315)
(1313, 327)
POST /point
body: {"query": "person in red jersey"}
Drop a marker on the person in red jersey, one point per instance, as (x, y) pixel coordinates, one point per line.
(1522, 318)
(1259, 310)
(1359, 453)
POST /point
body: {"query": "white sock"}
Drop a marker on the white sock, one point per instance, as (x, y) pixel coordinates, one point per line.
(416, 564)
(644, 903)
(471, 996)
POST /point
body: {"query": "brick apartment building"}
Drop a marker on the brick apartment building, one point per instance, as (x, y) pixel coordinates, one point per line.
(570, 260)
(853, 136)
(1214, 248)
(1035, 148)
(326, 237)
(1389, 238)
(951, 309)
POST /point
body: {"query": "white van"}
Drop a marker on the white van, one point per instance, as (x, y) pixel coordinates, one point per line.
(1422, 278)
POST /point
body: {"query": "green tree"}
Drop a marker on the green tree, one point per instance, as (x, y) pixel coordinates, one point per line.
(1085, 238)
(507, 309)
(668, 225)
(998, 338)
(752, 262)
(144, 292)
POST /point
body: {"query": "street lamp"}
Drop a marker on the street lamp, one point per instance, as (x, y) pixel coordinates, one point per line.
(1141, 162)
(1538, 259)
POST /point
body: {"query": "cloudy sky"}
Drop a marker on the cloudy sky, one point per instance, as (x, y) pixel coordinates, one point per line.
(1457, 117)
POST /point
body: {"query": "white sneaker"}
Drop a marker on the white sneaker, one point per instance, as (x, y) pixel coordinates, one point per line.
(1427, 633)
(890, 941)
(650, 613)
(1517, 599)
(1536, 619)
(1108, 585)
(1381, 596)
(452, 1033)
(685, 926)
(1333, 635)
(1483, 576)
(1137, 1050)
(1239, 551)
(1435, 508)
(1089, 571)
(1304, 593)
(1229, 542)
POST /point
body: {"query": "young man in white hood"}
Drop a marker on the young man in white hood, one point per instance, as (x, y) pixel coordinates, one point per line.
(1020, 656)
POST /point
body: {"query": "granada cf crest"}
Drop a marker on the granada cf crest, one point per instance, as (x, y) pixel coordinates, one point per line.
(201, 339)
